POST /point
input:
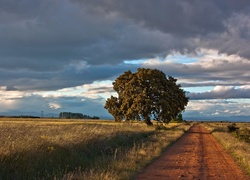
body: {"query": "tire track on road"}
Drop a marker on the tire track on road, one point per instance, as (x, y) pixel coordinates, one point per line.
(196, 155)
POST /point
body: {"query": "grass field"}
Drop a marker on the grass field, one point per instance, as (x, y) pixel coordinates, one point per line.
(53, 149)
(238, 148)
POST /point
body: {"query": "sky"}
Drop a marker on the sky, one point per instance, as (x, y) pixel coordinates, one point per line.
(63, 55)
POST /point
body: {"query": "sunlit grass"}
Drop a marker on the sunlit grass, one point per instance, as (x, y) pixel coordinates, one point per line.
(239, 149)
(79, 149)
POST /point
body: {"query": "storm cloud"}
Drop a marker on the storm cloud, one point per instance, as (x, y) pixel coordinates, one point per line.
(55, 33)
(54, 45)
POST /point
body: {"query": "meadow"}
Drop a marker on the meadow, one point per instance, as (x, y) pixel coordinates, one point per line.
(238, 147)
(80, 149)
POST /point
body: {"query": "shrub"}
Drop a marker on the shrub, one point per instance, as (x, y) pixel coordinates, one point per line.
(232, 128)
(244, 134)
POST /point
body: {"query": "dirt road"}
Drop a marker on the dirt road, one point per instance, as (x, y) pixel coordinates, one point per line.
(197, 155)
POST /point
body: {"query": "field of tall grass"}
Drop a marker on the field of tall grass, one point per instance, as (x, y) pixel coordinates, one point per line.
(53, 149)
(237, 147)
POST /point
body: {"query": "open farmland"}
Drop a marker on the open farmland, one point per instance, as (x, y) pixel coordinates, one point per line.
(80, 149)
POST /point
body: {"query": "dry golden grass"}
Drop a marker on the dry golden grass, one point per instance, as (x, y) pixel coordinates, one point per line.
(239, 149)
(53, 149)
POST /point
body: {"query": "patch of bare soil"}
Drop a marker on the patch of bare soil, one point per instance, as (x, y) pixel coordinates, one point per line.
(196, 155)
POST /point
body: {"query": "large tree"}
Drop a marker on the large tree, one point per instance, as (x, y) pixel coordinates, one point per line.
(146, 94)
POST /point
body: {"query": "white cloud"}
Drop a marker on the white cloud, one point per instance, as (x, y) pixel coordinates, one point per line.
(210, 69)
(54, 105)
(223, 92)
(222, 108)
(92, 91)
(9, 99)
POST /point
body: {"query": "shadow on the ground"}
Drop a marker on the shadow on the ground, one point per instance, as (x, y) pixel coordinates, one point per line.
(218, 129)
(51, 160)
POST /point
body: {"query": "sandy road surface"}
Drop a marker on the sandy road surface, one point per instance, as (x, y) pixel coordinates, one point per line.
(197, 155)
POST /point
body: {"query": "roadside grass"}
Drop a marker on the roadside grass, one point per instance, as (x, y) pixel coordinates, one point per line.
(238, 148)
(35, 149)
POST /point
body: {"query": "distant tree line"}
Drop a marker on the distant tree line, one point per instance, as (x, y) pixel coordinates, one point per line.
(70, 115)
(20, 116)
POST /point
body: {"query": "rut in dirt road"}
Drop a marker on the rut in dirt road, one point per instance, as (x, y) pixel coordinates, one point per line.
(196, 155)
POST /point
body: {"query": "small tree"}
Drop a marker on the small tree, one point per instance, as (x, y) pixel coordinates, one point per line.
(146, 94)
(232, 127)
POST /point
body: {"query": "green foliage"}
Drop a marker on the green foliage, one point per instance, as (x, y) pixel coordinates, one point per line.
(113, 106)
(145, 94)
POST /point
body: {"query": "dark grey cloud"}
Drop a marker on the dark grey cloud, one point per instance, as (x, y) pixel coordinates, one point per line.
(175, 17)
(236, 37)
(53, 36)
(221, 92)
(42, 42)
(104, 32)
(72, 75)
(50, 45)
(212, 23)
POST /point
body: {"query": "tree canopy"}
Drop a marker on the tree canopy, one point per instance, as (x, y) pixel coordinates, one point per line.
(146, 94)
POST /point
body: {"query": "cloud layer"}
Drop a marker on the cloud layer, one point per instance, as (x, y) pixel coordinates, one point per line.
(222, 92)
(45, 40)
(49, 46)
(211, 109)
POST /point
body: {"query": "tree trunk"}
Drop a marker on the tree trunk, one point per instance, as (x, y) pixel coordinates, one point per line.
(148, 122)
